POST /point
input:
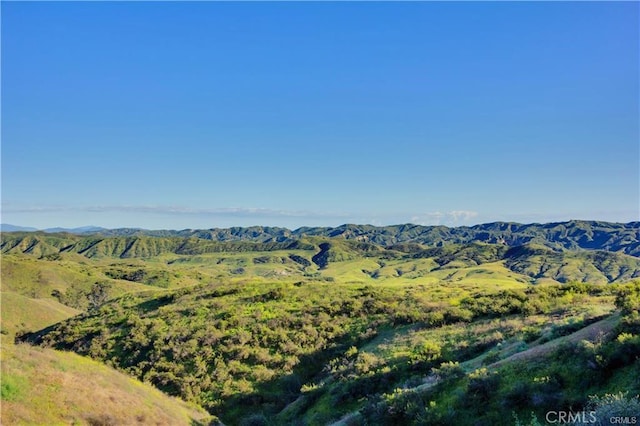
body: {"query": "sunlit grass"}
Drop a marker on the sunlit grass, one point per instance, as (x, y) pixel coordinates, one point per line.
(43, 386)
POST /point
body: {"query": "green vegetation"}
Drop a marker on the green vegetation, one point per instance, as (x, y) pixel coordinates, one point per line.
(301, 328)
(243, 350)
(168, 262)
(21, 313)
(43, 386)
(572, 235)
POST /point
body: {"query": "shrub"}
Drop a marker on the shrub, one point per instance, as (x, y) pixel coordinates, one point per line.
(426, 353)
(624, 350)
(628, 299)
(254, 420)
(493, 356)
(366, 362)
(449, 371)
(532, 422)
(531, 333)
(456, 314)
(482, 384)
(535, 306)
(610, 406)
(434, 318)
(630, 323)
(519, 395)
(98, 295)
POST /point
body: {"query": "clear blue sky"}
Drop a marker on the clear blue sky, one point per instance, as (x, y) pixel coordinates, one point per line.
(198, 115)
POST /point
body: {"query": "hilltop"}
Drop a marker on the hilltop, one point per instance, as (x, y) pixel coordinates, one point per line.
(575, 234)
(351, 254)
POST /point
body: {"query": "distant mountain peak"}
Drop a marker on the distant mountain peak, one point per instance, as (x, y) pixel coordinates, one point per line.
(7, 227)
(80, 230)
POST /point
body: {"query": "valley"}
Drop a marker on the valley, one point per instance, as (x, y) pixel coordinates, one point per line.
(348, 325)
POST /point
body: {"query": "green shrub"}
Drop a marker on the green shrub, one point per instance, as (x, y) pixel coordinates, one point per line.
(429, 350)
(519, 395)
(612, 406)
(624, 350)
(531, 333)
(449, 371)
(13, 387)
(533, 421)
(482, 385)
(493, 356)
(630, 323)
(628, 298)
(254, 420)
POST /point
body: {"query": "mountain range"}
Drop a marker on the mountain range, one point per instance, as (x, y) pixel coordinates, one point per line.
(357, 324)
(7, 227)
(571, 235)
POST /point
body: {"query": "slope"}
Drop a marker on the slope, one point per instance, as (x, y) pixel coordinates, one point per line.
(171, 261)
(20, 313)
(245, 350)
(43, 386)
(571, 235)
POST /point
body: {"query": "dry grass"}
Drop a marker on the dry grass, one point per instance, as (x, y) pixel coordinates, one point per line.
(43, 386)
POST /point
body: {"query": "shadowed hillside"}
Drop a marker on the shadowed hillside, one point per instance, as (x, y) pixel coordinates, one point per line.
(575, 234)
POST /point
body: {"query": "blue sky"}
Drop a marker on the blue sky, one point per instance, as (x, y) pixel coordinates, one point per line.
(204, 114)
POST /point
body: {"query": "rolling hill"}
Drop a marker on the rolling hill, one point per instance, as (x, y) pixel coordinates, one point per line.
(43, 386)
(575, 234)
(315, 352)
(322, 256)
(347, 325)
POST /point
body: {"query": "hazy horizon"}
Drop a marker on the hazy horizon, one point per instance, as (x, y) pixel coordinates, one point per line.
(87, 226)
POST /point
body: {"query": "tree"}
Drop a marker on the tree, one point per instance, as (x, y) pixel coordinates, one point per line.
(98, 295)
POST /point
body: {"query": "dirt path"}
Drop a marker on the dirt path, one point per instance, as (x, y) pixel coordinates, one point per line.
(592, 332)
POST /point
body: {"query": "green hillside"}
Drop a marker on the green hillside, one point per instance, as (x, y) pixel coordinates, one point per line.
(171, 261)
(42, 386)
(20, 313)
(572, 235)
(315, 352)
(316, 329)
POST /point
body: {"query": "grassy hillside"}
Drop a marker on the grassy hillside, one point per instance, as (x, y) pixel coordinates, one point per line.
(39, 278)
(316, 329)
(315, 352)
(43, 386)
(594, 267)
(575, 234)
(172, 261)
(20, 313)
(572, 235)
